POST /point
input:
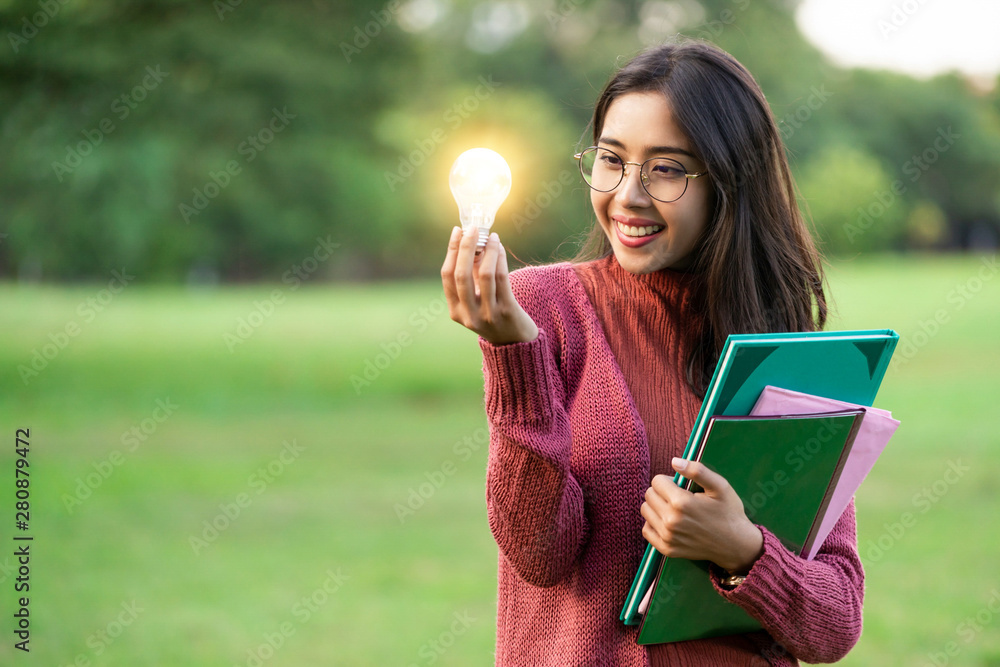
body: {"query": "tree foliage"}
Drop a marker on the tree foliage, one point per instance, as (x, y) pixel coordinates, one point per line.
(226, 140)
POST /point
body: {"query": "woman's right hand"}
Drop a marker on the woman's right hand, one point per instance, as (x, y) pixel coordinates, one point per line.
(478, 290)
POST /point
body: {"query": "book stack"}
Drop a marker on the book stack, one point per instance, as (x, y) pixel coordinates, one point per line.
(787, 421)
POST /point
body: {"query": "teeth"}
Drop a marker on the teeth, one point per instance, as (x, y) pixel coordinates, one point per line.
(638, 231)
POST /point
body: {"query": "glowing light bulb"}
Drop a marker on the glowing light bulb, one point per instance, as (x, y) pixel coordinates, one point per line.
(480, 182)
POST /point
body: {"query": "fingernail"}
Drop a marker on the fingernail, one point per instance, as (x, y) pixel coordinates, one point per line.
(455, 232)
(495, 237)
(679, 464)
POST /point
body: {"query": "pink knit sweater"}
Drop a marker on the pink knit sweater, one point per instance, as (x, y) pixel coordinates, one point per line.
(568, 466)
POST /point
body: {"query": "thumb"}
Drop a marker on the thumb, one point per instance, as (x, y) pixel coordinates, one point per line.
(713, 483)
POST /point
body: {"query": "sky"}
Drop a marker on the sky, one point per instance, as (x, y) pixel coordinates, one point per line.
(918, 37)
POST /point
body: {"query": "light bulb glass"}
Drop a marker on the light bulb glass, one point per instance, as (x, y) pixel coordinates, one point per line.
(480, 182)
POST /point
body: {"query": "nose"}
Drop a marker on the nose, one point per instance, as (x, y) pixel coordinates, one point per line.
(630, 192)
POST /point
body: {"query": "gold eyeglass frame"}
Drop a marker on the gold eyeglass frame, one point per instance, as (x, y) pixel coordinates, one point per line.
(643, 177)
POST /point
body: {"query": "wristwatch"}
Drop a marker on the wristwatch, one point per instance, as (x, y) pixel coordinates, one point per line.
(732, 581)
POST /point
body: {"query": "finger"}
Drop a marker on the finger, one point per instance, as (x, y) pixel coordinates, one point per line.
(659, 523)
(464, 271)
(486, 271)
(713, 483)
(654, 539)
(665, 488)
(448, 268)
(665, 542)
(656, 496)
(650, 514)
(504, 292)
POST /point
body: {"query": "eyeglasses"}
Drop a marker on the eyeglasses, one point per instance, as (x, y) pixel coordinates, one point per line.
(663, 178)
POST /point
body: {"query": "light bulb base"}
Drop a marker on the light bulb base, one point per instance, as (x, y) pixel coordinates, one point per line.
(484, 236)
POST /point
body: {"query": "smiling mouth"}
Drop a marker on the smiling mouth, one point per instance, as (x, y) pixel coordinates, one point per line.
(638, 232)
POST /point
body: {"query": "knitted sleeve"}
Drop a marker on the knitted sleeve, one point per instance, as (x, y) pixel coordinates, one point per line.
(812, 609)
(534, 505)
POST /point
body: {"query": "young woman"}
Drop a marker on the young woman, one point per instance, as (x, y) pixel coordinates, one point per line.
(595, 370)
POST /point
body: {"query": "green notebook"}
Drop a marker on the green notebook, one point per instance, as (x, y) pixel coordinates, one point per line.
(785, 470)
(843, 365)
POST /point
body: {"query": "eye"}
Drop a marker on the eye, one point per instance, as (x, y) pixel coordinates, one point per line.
(666, 169)
(609, 159)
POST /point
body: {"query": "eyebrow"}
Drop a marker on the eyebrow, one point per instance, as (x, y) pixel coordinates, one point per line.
(651, 149)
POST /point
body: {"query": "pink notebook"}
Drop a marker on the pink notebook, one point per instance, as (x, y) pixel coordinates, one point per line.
(877, 427)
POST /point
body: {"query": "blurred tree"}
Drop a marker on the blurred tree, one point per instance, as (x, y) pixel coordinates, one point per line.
(853, 203)
(939, 138)
(231, 140)
(926, 226)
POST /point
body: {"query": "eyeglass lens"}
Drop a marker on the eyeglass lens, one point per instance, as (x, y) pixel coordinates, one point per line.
(664, 179)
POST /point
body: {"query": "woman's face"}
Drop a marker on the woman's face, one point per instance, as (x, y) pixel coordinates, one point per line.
(646, 234)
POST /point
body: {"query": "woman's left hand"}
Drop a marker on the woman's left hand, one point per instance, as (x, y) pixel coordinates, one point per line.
(700, 526)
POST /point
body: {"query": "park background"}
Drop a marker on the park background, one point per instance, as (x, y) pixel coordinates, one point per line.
(255, 435)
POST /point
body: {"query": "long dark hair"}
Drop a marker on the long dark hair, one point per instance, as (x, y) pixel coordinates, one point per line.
(761, 271)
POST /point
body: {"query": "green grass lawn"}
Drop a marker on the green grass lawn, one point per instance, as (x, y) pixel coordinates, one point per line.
(304, 433)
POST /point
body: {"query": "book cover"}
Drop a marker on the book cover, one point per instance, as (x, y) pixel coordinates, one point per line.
(842, 365)
(785, 470)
